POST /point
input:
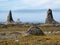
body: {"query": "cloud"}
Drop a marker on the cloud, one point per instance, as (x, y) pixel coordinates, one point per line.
(29, 4)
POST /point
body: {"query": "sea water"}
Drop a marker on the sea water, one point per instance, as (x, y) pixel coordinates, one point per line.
(35, 16)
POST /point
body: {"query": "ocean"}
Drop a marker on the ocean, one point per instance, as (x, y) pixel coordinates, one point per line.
(34, 16)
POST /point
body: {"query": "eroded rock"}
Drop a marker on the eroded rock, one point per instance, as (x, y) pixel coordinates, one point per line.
(10, 18)
(34, 30)
(50, 19)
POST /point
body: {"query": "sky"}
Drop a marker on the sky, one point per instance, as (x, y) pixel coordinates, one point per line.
(29, 4)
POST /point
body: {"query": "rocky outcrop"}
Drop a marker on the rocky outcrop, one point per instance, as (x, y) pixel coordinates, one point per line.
(34, 30)
(9, 18)
(50, 19)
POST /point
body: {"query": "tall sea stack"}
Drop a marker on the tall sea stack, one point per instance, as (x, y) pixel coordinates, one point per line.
(9, 17)
(50, 19)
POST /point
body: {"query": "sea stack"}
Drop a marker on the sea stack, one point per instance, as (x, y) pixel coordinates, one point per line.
(50, 19)
(9, 18)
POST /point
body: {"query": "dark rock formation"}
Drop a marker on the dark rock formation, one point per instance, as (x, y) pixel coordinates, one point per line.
(9, 17)
(50, 19)
(34, 30)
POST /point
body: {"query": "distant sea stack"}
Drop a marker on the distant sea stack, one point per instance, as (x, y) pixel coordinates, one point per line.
(10, 18)
(50, 19)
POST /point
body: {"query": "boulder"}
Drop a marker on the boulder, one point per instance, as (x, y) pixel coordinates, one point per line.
(34, 30)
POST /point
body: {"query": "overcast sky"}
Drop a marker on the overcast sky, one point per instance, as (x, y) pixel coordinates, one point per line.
(29, 4)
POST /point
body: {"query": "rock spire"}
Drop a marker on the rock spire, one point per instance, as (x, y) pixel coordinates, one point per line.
(50, 19)
(9, 17)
